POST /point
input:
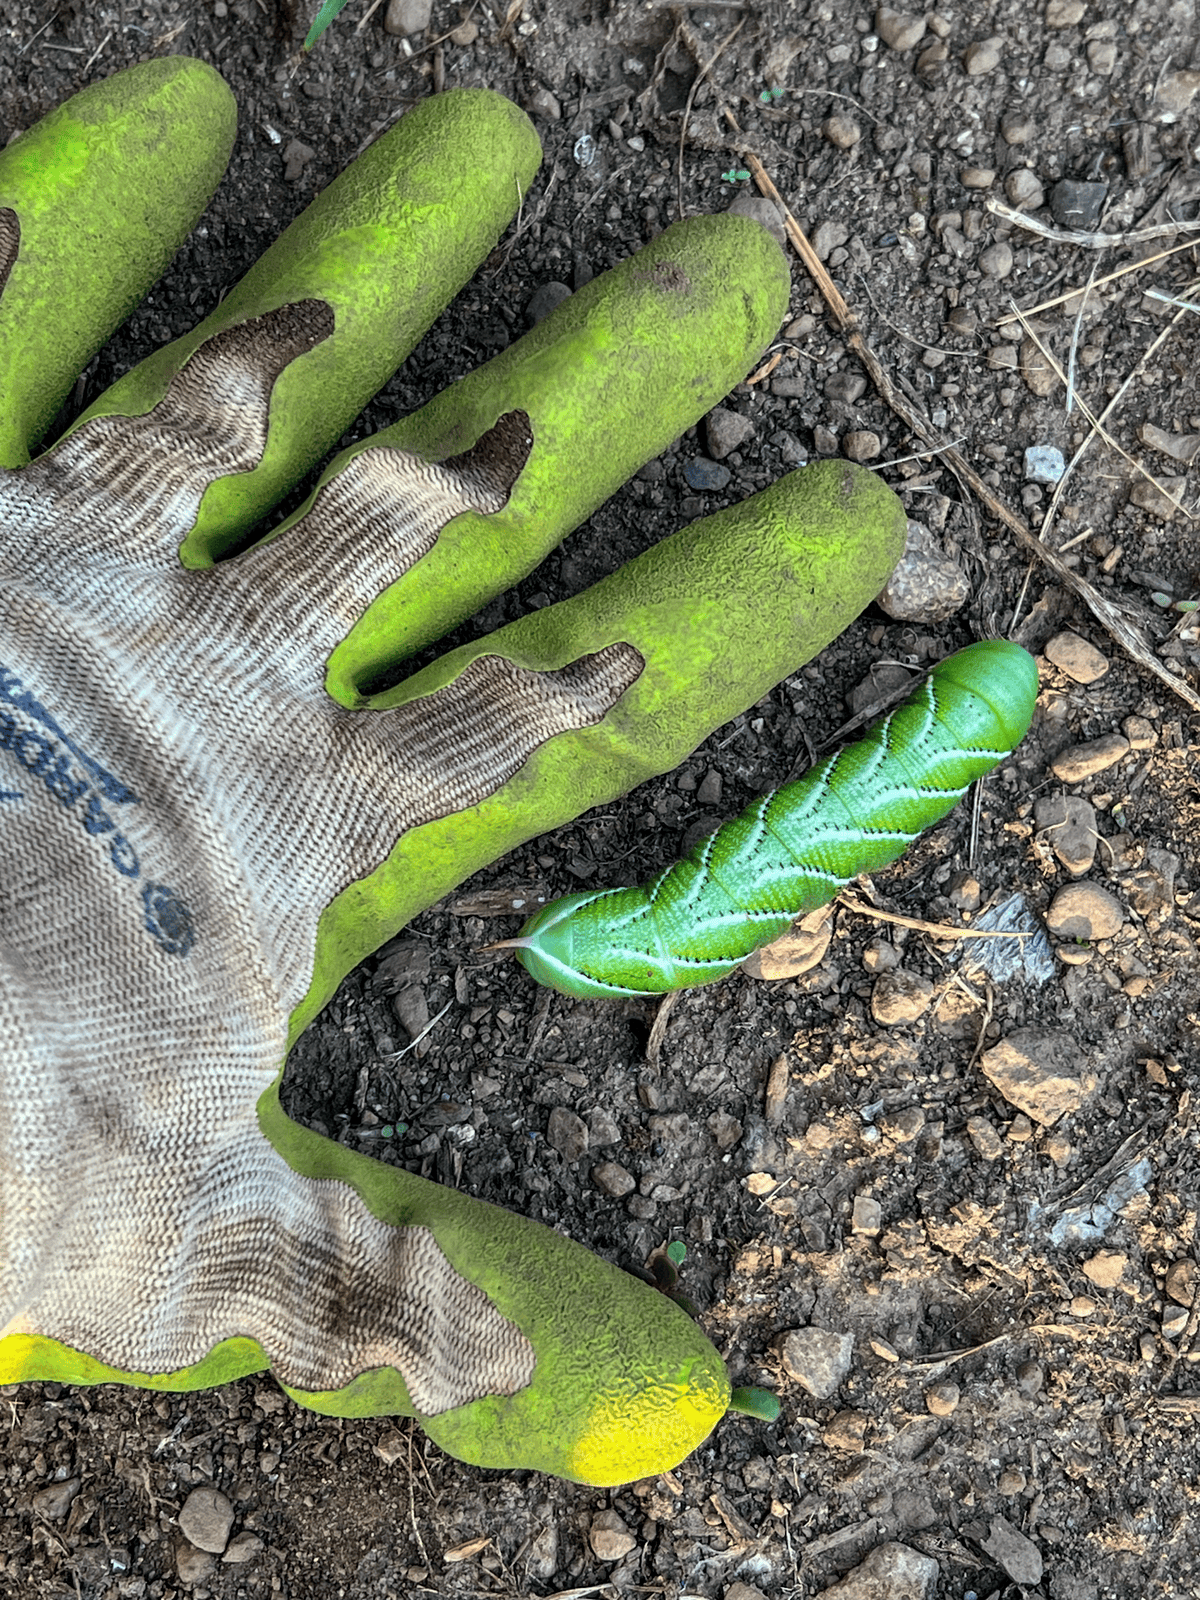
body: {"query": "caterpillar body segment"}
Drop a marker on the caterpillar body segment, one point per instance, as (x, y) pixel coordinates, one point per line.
(793, 850)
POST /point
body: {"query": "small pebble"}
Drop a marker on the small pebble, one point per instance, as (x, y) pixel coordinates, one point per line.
(983, 55)
(1017, 127)
(1012, 1481)
(613, 1179)
(1031, 1376)
(242, 1548)
(996, 261)
(206, 1518)
(701, 473)
(1082, 761)
(1041, 1072)
(847, 388)
(1102, 57)
(942, 1400)
(861, 445)
(817, 1359)
(985, 1138)
(1077, 205)
(1064, 13)
(977, 177)
(1161, 499)
(1068, 824)
(867, 1216)
(1037, 369)
(926, 584)
(827, 236)
(1106, 1268)
(900, 997)
(407, 16)
(904, 1125)
(898, 29)
(543, 301)
(567, 1133)
(1076, 657)
(542, 103)
(1180, 1284)
(1011, 1550)
(1044, 463)
(1084, 911)
(609, 1537)
(725, 430)
(1023, 190)
(841, 131)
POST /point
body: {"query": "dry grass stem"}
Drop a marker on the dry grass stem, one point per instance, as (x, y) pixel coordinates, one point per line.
(1090, 241)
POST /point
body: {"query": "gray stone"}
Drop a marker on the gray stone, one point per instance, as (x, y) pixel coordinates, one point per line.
(543, 301)
(610, 1537)
(613, 1179)
(983, 55)
(1010, 1549)
(701, 473)
(826, 238)
(206, 1518)
(890, 1572)
(53, 1502)
(841, 131)
(861, 445)
(566, 1133)
(1044, 463)
(1074, 204)
(997, 260)
(1023, 190)
(898, 29)
(193, 1566)
(847, 388)
(926, 585)
(407, 16)
(725, 430)
(245, 1547)
(817, 1359)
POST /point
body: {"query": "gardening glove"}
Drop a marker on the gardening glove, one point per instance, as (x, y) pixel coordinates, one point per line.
(210, 814)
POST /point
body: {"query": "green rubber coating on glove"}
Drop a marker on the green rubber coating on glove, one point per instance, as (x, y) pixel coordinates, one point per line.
(105, 189)
(720, 612)
(386, 246)
(608, 380)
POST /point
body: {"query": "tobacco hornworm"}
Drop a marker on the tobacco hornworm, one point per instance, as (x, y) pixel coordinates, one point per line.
(794, 849)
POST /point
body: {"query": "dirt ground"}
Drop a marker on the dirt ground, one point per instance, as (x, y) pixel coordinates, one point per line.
(1009, 1242)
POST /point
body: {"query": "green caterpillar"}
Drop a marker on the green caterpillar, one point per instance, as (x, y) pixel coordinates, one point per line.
(794, 849)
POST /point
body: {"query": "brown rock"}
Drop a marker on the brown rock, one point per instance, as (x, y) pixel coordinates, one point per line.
(1085, 760)
(1084, 911)
(1080, 660)
(1040, 1071)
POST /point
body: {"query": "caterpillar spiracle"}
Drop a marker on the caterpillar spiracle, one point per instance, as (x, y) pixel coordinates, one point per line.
(794, 849)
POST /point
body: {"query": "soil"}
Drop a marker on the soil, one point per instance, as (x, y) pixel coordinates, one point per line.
(829, 1146)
